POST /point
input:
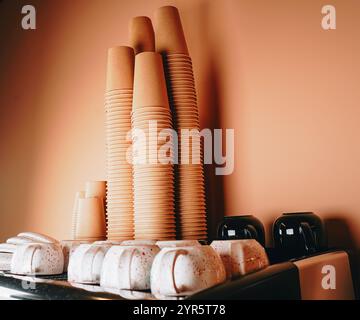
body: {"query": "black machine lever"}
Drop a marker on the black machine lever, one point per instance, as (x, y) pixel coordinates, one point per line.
(309, 239)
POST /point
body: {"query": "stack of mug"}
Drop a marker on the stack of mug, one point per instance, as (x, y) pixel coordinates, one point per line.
(89, 212)
(190, 193)
(118, 106)
(153, 175)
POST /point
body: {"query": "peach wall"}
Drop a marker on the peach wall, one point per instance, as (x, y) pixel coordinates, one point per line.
(265, 68)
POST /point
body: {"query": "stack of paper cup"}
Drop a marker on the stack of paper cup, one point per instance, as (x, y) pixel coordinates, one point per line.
(91, 219)
(89, 212)
(118, 106)
(95, 189)
(190, 193)
(153, 163)
(78, 195)
(141, 35)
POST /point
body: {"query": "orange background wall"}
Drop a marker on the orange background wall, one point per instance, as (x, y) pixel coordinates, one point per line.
(265, 68)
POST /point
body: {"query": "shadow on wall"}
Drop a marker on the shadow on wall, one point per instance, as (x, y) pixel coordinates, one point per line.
(340, 236)
(338, 233)
(210, 112)
(214, 183)
(268, 226)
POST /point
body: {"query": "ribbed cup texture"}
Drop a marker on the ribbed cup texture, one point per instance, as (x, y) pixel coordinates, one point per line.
(118, 106)
(190, 188)
(154, 209)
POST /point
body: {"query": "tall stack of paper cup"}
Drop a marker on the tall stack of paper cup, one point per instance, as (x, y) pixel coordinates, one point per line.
(118, 106)
(190, 193)
(141, 35)
(153, 178)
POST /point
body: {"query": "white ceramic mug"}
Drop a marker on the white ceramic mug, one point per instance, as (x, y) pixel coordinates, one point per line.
(86, 262)
(177, 243)
(5, 261)
(38, 259)
(186, 270)
(7, 247)
(128, 267)
(68, 248)
(241, 257)
(138, 242)
(108, 242)
(37, 237)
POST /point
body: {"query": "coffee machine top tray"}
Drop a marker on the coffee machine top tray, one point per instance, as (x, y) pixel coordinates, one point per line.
(283, 275)
(286, 277)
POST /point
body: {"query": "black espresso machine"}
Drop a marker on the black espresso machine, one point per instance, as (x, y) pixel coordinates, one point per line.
(301, 264)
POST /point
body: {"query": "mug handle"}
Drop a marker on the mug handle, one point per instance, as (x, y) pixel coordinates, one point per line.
(169, 258)
(251, 231)
(29, 252)
(220, 230)
(88, 262)
(126, 255)
(282, 228)
(308, 237)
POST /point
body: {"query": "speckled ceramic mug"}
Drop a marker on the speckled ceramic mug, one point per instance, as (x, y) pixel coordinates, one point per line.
(177, 243)
(68, 248)
(86, 263)
(128, 267)
(241, 257)
(38, 259)
(138, 242)
(186, 270)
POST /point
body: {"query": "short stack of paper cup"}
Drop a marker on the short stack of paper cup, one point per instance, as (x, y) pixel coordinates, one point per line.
(89, 212)
(153, 178)
(190, 192)
(75, 214)
(118, 106)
